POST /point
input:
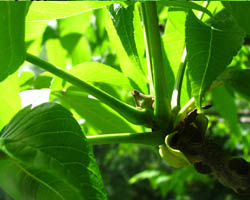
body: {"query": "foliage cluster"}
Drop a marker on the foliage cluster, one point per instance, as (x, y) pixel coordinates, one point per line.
(179, 55)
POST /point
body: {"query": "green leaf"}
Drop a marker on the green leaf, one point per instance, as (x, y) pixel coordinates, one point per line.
(138, 80)
(56, 54)
(33, 36)
(100, 116)
(241, 12)
(12, 46)
(75, 24)
(122, 18)
(47, 157)
(224, 103)
(98, 72)
(174, 43)
(56, 10)
(9, 98)
(239, 79)
(184, 4)
(210, 49)
(81, 52)
(95, 113)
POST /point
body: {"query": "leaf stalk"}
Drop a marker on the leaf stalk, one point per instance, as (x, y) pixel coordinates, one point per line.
(155, 138)
(162, 110)
(132, 114)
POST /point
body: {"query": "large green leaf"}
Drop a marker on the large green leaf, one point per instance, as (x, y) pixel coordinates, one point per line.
(210, 49)
(225, 105)
(12, 47)
(100, 116)
(61, 9)
(241, 12)
(125, 47)
(46, 156)
(9, 98)
(239, 79)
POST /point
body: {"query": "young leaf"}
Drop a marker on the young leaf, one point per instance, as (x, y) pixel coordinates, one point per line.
(210, 49)
(241, 12)
(12, 47)
(239, 80)
(47, 157)
(94, 112)
(56, 10)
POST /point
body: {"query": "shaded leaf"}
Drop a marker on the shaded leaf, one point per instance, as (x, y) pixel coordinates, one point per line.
(239, 79)
(241, 12)
(47, 157)
(226, 106)
(12, 46)
(56, 9)
(210, 49)
(95, 113)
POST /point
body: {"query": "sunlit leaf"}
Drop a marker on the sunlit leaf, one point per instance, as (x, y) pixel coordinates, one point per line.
(174, 43)
(81, 52)
(122, 18)
(47, 157)
(56, 54)
(75, 24)
(98, 72)
(61, 9)
(33, 36)
(9, 98)
(127, 65)
(185, 4)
